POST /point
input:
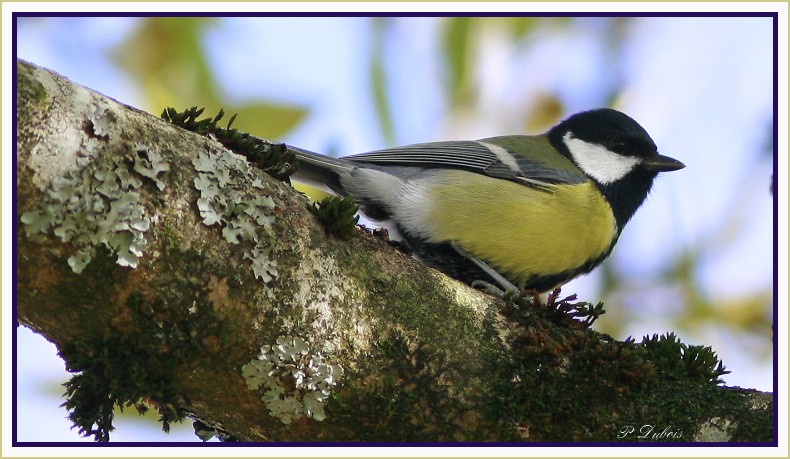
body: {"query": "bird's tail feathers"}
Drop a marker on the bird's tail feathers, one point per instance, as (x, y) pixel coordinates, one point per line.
(320, 170)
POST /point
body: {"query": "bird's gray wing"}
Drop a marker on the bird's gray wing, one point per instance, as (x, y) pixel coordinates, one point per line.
(473, 156)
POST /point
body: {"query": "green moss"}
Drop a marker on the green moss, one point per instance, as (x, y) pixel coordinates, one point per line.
(30, 91)
(661, 388)
(453, 327)
(404, 402)
(424, 347)
(119, 372)
(131, 367)
(683, 361)
(757, 424)
(566, 312)
(138, 350)
(32, 103)
(338, 214)
(171, 240)
(274, 159)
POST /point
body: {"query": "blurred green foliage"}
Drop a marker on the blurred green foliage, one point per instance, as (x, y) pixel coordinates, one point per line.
(462, 43)
(378, 79)
(166, 56)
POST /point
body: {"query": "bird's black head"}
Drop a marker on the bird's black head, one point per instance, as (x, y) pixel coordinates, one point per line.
(616, 153)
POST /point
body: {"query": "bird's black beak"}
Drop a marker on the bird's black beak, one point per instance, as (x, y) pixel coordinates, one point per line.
(660, 163)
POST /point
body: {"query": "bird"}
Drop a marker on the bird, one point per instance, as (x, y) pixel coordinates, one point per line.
(524, 212)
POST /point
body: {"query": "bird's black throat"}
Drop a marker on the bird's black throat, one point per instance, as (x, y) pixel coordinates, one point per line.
(627, 194)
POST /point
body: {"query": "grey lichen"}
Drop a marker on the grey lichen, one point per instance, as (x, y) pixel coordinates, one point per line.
(149, 163)
(102, 121)
(98, 203)
(296, 383)
(715, 429)
(223, 201)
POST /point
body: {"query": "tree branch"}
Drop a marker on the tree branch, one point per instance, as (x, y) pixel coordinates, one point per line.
(171, 273)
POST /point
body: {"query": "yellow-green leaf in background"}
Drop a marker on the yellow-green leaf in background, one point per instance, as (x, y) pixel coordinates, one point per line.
(265, 120)
(457, 39)
(378, 79)
(547, 109)
(166, 56)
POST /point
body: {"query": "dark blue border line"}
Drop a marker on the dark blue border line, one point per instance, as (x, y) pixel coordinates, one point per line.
(14, 234)
(775, 319)
(252, 14)
(14, 229)
(347, 444)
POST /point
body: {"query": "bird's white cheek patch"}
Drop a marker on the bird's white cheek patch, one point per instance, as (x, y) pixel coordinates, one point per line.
(598, 162)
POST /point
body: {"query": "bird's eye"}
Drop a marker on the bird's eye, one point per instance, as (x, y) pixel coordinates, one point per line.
(617, 146)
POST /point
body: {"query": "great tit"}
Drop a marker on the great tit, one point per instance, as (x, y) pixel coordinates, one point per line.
(527, 212)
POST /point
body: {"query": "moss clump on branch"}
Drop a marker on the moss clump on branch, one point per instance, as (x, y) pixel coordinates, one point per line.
(660, 382)
(273, 158)
(338, 214)
(122, 370)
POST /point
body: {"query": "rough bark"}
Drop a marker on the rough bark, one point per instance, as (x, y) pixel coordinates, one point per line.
(171, 273)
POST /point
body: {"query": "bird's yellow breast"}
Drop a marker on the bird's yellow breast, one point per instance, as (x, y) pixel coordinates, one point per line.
(519, 230)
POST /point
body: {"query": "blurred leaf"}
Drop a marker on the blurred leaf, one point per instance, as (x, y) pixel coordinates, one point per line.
(457, 40)
(522, 26)
(266, 120)
(546, 111)
(167, 57)
(378, 80)
(313, 192)
(748, 312)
